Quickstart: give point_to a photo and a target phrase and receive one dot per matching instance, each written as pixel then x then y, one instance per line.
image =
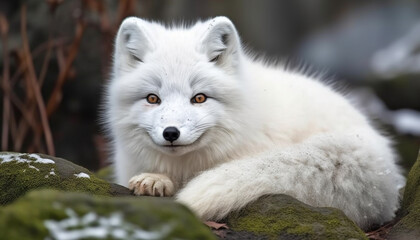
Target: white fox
pixel 191 114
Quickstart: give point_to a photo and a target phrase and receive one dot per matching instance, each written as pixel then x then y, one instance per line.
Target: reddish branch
pixel 56 94
pixel 4 28
pixel 26 117
pixel 33 83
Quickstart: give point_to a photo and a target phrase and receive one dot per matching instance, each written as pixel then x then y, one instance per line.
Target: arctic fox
pixel 192 115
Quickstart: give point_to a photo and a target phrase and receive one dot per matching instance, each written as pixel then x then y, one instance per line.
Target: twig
pixel 4 28
pixel 21 107
pixel 61 62
pixel 45 64
pixel 35 86
pixel 37 133
pixel 380 233
pixel 106 28
pixel 35 53
pixel 13 129
pixel 55 97
pixel 26 108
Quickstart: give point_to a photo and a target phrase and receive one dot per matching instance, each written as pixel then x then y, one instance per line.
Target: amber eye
pixel 153 99
pixel 199 98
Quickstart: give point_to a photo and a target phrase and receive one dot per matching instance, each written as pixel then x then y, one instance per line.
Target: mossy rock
pixel 409 226
pixel 106 173
pixel 283 217
pixel 52 214
pixel 21 172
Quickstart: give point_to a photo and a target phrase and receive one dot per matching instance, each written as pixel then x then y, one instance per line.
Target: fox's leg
pixel 127 174
pixel 353 171
pixel 152 184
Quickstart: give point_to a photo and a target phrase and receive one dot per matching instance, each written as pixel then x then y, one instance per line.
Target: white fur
pixel 263 130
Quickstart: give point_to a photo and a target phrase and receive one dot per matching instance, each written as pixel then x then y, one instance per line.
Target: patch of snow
pixel 89 218
pixel 30 166
pixel 119 234
pixel 10 157
pixel 52 171
pixel 40 159
pixel 93 226
pixel 7 158
pixel 82 175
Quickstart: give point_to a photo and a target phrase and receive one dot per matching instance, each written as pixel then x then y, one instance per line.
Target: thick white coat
pixel 263 129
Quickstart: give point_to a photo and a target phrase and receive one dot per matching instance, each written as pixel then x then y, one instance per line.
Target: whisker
pixel 201 119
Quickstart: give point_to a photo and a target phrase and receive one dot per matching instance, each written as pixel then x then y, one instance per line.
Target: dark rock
pixel 52 214
pixel 283 217
pixel 409 226
pixel 237 235
pixel 21 172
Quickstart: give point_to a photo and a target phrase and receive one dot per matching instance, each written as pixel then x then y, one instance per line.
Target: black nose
pixel 171 134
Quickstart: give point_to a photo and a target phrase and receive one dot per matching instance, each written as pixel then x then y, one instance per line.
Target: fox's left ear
pixel 221 42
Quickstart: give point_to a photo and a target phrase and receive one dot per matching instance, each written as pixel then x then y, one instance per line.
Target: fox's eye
pixel 199 98
pixel 153 99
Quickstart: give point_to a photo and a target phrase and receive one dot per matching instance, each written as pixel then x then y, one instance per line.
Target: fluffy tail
pixel 354 171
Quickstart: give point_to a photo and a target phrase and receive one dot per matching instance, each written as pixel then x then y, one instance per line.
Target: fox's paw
pixel 152 184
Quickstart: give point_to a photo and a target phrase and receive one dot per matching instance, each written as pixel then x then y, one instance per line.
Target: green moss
pixel 93 185
pixel 302 230
pixel 409 226
pixel 18 177
pixel 281 216
pixel 162 216
pixel 106 173
pixel 412 188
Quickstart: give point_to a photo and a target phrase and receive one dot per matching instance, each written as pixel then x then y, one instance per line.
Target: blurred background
pixel 56 56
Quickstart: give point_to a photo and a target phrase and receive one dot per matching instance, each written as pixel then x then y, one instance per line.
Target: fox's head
pixel 175 89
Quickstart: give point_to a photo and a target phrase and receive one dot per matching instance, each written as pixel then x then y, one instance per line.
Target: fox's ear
pixel 221 42
pixel 131 45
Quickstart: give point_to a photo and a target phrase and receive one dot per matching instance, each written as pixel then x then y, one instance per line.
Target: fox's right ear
pixel 131 45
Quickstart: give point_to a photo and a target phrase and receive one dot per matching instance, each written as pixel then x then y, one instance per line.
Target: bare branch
pixel 35 86
pixel 4 29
